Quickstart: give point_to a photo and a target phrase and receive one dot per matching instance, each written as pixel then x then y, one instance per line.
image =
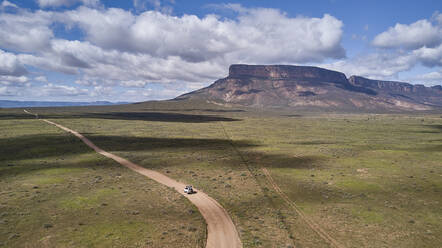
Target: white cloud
pixel 61 90
pixel 403 47
pixel 47 62
pixel 110 66
pixel 430 78
pixel 134 83
pixel 8 80
pixel 375 65
pixel 435 75
pixel 25 31
pixel 102 91
pixel 429 56
pixel 163 6
pixel 418 34
pixel 256 36
pixel 129 50
pixel 6 4
pixel 140 5
pixel 5 91
pixel 41 79
pixel 10 65
pixel 12 91
pixel 86 82
pixel 59 3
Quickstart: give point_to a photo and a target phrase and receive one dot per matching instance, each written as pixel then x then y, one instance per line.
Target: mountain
pixel 430 96
pixel 20 104
pixel 309 87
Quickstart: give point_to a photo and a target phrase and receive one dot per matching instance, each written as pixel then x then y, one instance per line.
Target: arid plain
pixel 286 179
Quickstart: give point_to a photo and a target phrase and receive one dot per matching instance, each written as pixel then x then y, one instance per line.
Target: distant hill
pixel 306 87
pixel 20 104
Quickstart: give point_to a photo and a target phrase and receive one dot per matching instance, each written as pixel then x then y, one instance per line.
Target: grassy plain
pixel 56 192
pixel 368 180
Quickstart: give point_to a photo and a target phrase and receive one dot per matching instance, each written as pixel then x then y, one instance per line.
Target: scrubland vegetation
pixel 368 180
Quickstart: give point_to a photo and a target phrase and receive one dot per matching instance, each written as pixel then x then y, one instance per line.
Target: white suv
pixel 188 189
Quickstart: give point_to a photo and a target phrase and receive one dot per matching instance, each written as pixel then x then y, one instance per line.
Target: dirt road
pixel 221 232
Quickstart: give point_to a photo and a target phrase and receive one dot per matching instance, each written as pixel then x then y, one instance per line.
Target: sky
pixel 139 50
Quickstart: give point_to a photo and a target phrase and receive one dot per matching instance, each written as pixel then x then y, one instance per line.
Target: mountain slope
pixel 431 96
pixel 313 87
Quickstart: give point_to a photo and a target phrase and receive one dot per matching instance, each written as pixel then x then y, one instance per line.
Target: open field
pixel 366 180
pixel 56 192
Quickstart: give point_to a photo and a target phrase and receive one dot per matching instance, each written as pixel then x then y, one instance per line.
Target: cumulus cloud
pixel 398 49
pixel 12 71
pixel 10 65
pixel 121 48
pixel 418 34
pixel 108 66
pixel 257 35
pixel 421 40
pixel 429 56
pixel 47 62
pixel 162 48
pixel 375 65
pixel 25 31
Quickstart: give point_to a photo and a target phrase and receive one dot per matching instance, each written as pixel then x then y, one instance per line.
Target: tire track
pixel 314 226
pixel 252 171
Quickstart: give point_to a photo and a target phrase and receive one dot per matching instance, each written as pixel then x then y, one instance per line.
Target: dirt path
pixel 221 232
pixel 314 226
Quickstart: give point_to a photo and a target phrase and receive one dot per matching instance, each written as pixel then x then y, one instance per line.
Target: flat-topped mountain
pixel 314 87
pixel 288 72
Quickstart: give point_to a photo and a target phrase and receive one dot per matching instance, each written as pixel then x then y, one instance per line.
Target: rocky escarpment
pixel 418 93
pixel 388 86
pixel 306 87
pixel 287 72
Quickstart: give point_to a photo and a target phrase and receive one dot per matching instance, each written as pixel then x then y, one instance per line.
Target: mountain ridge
pixel 308 86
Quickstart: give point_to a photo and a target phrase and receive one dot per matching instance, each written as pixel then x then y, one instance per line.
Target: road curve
pixel 221 232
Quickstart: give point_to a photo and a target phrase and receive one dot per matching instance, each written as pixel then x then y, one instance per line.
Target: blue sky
pixel 86 50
